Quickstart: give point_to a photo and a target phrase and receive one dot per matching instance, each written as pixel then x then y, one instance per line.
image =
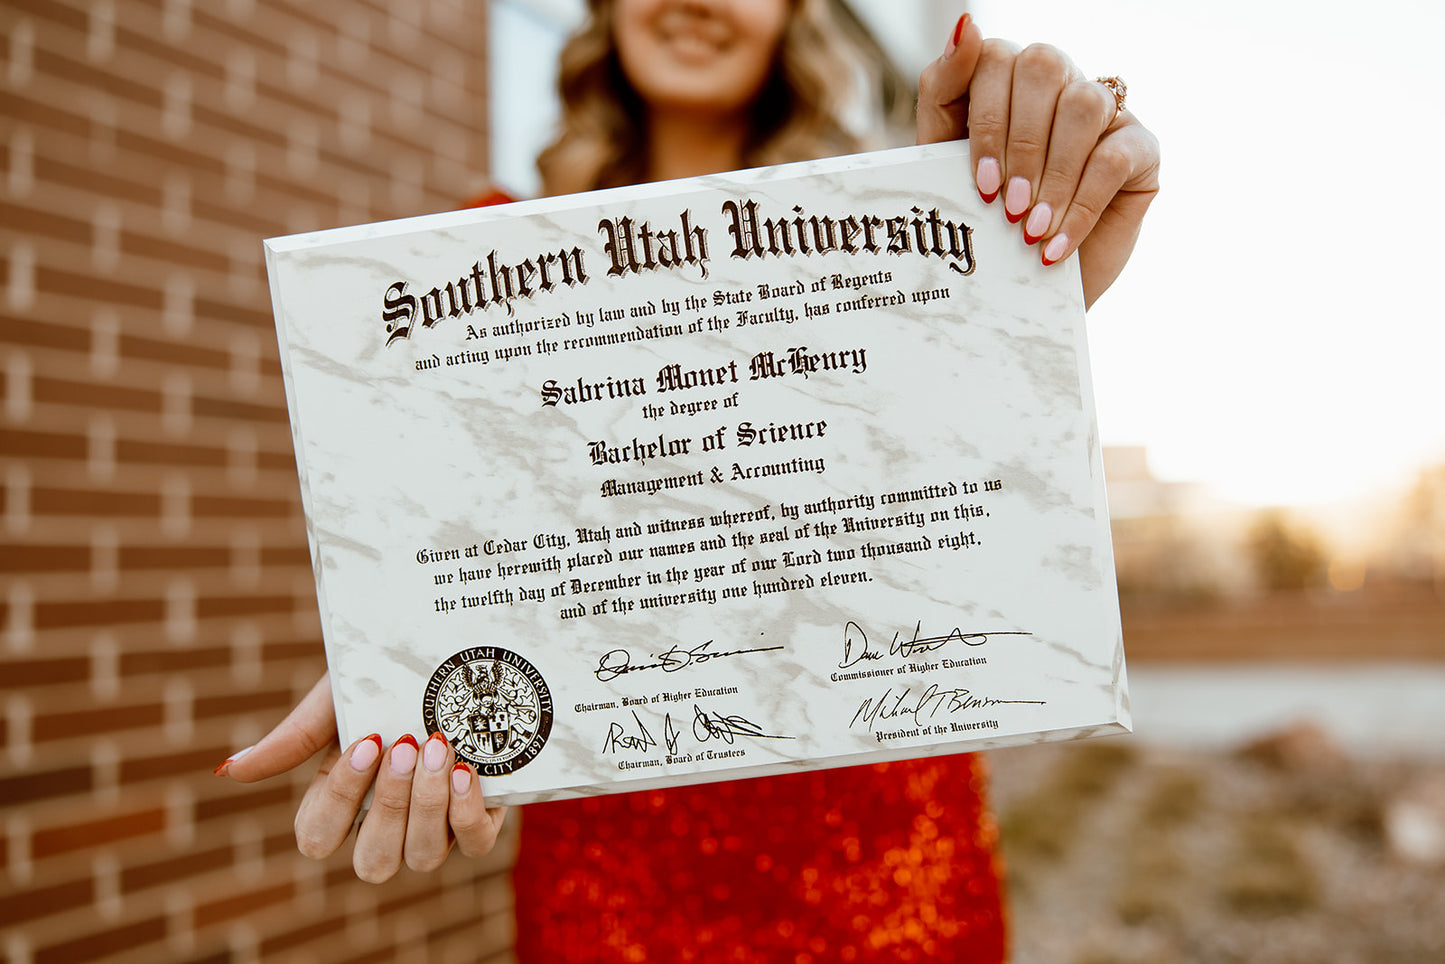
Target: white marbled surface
pixel 987 384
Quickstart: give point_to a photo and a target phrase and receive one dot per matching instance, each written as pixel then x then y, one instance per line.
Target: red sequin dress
pixel 891 862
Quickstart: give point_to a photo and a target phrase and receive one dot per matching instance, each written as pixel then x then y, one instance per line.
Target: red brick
pixel 174 55
pixel 92 180
pixel 44 672
pixel 97 613
pixel 304 649
pixel 386 952
pixel 302 935
pixel 128 170
pixel 430 891
pixel 53 280
pixel 103 943
pixel 27 110
pixel 58 65
pixel 18 557
pixel 174 352
pixel 16 443
pixel 66 724
pixel 147 246
pixel 44 784
pixel 293 555
pixel 132 558
pixel 49 224
pixel 243 802
pixel 212 607
pixel 213 957
pixel 252 222
pixel 279 461
pixel 190 762
pixel 139 452
pixel 93 502
pixel 338 876
pixel 55 12
pixel 157 873
pixel 147 662
pixel 216 912
pixel 239 507
pixel 94 833
pixel 15 330
pixel 56 391
pixel 34 902
pixel 240 411
pixel 234 704
pixel 222 311
pixel 281 843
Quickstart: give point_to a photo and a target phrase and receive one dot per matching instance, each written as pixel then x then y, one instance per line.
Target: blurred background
pixel 1269 396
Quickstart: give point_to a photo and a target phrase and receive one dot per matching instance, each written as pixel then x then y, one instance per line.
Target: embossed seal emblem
pixel 492 705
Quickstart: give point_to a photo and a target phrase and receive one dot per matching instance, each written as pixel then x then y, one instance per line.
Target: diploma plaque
pixel 783 469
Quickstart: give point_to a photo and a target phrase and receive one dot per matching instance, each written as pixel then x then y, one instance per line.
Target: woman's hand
pixel 1078 172
pixel 425 801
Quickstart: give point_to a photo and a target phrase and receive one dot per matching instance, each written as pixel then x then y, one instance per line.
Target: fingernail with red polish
pixel 221 770
pixel 1055 249
pixel 435 753
pixel 364 754
pixel 989 178
pixel 403 755
pixel 461 778
pixel 1016 201
pixel 1038 222
pixel 957 36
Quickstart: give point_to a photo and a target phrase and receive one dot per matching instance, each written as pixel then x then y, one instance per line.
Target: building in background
pixel 156 598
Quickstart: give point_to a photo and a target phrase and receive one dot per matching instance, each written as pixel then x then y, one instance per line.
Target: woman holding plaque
pixel 889 862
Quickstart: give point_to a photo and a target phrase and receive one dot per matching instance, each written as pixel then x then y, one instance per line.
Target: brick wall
pixel 157 607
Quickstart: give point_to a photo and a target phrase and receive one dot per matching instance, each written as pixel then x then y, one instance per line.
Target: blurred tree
pixel 1419 550
pixel 1284 556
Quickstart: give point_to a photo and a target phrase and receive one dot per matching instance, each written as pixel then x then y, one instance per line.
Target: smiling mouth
pixel 693 39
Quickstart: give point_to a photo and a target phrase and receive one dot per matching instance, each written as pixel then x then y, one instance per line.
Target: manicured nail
pixel 435 753
pixel 461 778
pixel 364 754
pixel 1038 222
pixel 1055 249
pixel 990 178
pixel 403 755
pixel 221 770
pixel 1016 201
pixel 957 36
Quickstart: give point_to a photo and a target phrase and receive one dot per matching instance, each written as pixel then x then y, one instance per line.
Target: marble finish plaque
pixel 789 468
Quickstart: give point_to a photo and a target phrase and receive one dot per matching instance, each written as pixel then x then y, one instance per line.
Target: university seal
pixel 492 705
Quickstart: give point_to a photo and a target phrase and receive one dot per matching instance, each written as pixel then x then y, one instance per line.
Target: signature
pixel 705 726
pixel 618 662
pixel 708 726
pixel 925 706
pixel 856 648
pixel 619 739
pixel 669 734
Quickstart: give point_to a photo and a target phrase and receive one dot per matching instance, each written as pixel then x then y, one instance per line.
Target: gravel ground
pixel 1283 851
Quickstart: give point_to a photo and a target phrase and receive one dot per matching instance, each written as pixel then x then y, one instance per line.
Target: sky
pixel 1274 336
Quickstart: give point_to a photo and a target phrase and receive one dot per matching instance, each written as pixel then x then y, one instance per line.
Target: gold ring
pixel 1117 87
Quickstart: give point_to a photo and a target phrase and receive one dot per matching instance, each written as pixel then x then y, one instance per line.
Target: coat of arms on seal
pixel 492 705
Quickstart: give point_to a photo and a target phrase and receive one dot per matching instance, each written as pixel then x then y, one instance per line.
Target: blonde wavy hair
pixel 799 115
